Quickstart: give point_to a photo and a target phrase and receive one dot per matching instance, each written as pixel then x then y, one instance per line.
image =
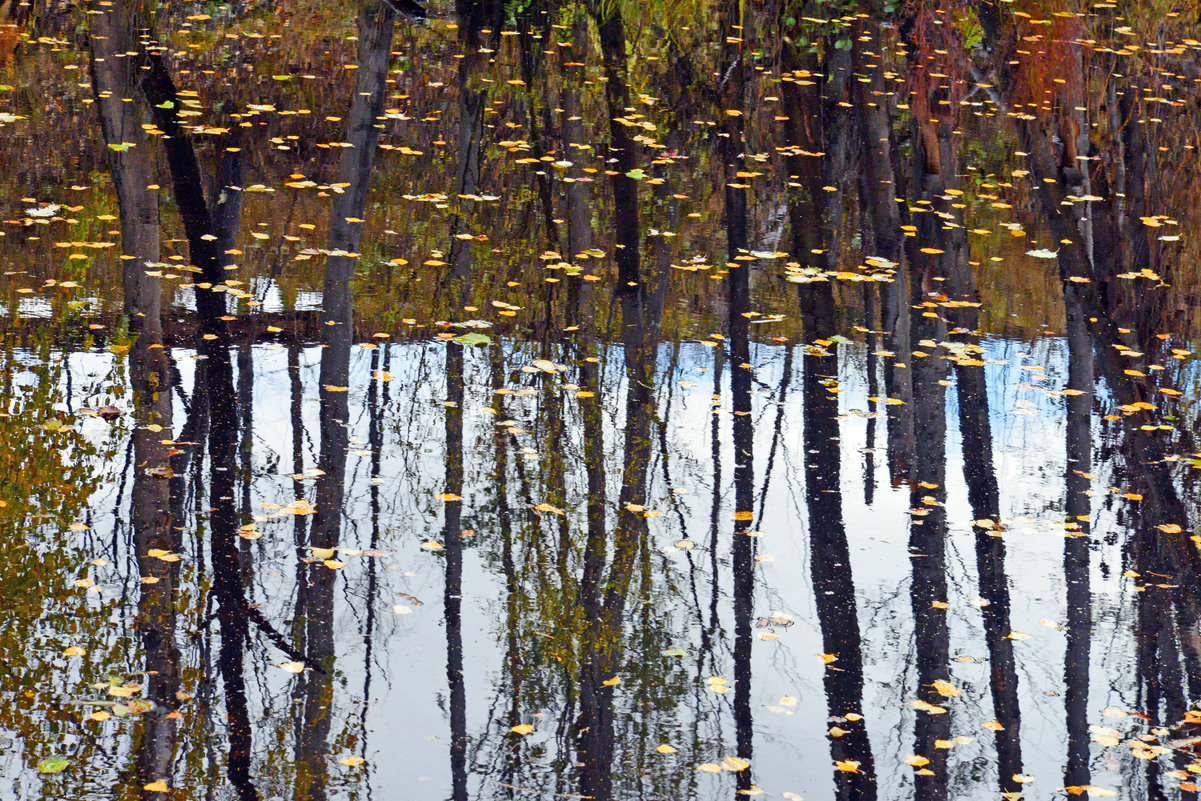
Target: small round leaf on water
pixel 53 764
pixel 472 338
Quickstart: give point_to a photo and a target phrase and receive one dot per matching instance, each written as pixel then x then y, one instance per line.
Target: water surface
pixel 600 400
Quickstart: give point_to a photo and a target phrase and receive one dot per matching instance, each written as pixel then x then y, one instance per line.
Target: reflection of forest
pixel 234 77
pixel 574 535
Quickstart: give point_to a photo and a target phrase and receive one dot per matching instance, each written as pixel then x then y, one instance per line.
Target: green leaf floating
pixel 53 764
pixel 472 338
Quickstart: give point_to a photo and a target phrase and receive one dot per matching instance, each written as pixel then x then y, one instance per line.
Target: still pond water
pixel 683 400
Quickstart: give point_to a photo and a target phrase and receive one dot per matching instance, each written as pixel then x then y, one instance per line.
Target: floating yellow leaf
pixel 925 706
pixel 848 766
pixel 709 767
pixel 292 667
pixel 74 650
pixel 522 729
pixel 917 761
pixel 665 749
pixel 156 787
pixel 734 764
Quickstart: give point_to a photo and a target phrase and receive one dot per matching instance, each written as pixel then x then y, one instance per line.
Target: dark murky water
pixel 670 401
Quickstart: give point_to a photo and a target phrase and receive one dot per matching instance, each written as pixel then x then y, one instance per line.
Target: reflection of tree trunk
pixel 626 223
pixel 579 192
pixel 604 604
pixel 232 609
pixel 299 522
pixel 354 169
pixel 115 73
pixel 314 688
pixel 875 131
pixel 1077 509
pixel 833 584
pixel 233 612
pixel 927 554
pixel 983 495
pixel 579 241
pixel 884 219
pixel 131 159
pixel 472 104
pixel 452 597
pixel 153 528
pixel 735 72
pixel 1087 281
pixel 246 421
pixel 603 599
pixel 744 500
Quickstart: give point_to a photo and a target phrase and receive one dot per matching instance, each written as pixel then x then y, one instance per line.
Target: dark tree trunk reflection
pixel 155 534
pixel 314 688
pixel 1077 515
pixel 116 72
pixel 833 582
pixel 927 547
pixel 233 611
